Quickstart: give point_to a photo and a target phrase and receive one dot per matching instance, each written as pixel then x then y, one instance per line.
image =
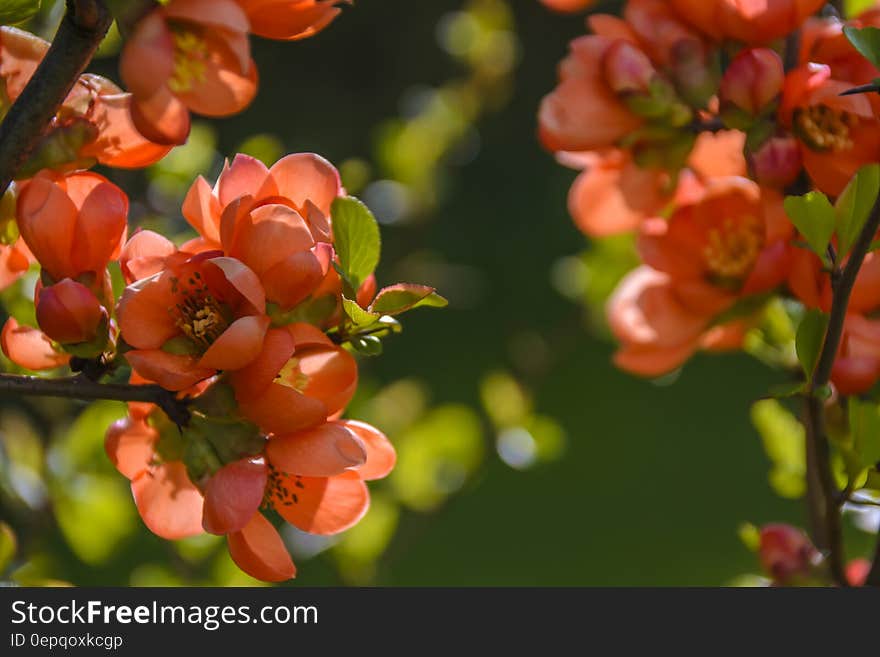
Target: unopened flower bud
pixel 70 313
pixel 777 163
pixel 786 553
pixel 752 81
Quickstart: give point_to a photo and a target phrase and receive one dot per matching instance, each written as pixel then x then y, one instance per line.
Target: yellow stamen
pixel 731 250
pixel 825 129
pixel 190 54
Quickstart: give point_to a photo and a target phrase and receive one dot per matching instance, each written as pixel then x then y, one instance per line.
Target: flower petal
pixel 322 505
pixel 29 347
pixel 259 551
pixel 327 450
pixel 238 345
pixel 169 504
pixel 381 456
pixel 129 444
pixel 281 410
pixel 303 177
pixel 170 371
pixel 233 495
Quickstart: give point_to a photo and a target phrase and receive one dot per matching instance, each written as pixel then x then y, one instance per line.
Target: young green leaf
pixel 783 438
pixel 399 298
pixel 17 11
pixel 809 339
pixel 814 217
pixel 854 205
pixel 356 238
pixel 864 423
pixel 358 316
pixel 867 41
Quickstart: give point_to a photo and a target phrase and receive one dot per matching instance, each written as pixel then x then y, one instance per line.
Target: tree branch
pixel 826 495
pixel 81 387
pixel 83 27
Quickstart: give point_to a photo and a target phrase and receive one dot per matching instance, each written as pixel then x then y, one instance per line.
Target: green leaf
pixel 356 239
pixel 399 298
pixel 867 41
pixel 17 11
pixel 864 423
pixel 814 217
pixel 810 336
pixel 783 438
pixel 358 316
pixel 854 205
pixel 8 546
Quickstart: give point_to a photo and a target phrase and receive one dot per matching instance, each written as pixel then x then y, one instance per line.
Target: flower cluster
pixel 738 144
pixel 247 331
pixel 696 158
pixel 246 322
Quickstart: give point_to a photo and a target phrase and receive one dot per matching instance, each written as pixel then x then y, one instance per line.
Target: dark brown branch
pixel 81 31
pixel 81 387
pixel 873 578
pixel 825 494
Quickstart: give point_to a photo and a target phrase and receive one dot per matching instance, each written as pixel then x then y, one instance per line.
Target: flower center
pixel 292 376
pixel 190 54
pixel 731 250
pixel 825 129
pixel 200 316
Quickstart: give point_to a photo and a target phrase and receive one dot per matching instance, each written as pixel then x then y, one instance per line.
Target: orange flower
pixel 200 314
pixel 837 134
pixel 730 240
pixel 188 55
pixel 290 20
pixel 313 479
pixel 272 219
pixel 303 182
pixel 73 224
pixel 95 117
pixel 657 331
pixel 584 112
pixel 316 483
pixel 750 21
pixel 752 81
pixel 614 195
pixel 298 380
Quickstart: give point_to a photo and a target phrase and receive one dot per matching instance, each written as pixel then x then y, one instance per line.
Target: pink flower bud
pixel 628 69
pixel 778 162
pixel 786 552
pixel 753 80
pixel 69 313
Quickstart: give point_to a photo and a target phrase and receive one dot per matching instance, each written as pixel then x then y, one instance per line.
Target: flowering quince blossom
pixel 93 124
pixel 728 243
pixel 74 225
pixel 188 55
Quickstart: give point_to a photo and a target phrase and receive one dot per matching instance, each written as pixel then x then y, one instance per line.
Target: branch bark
pixel 81 31
pixel 81 387
pixel 825 495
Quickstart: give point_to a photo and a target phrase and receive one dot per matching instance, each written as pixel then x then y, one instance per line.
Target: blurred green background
pixel 525 457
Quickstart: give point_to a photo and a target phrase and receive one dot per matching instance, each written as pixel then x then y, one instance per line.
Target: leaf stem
pixel 81 30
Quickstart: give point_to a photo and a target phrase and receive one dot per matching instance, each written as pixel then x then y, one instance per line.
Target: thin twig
pixel 81 387
pixel 826 496
pixel 83 27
